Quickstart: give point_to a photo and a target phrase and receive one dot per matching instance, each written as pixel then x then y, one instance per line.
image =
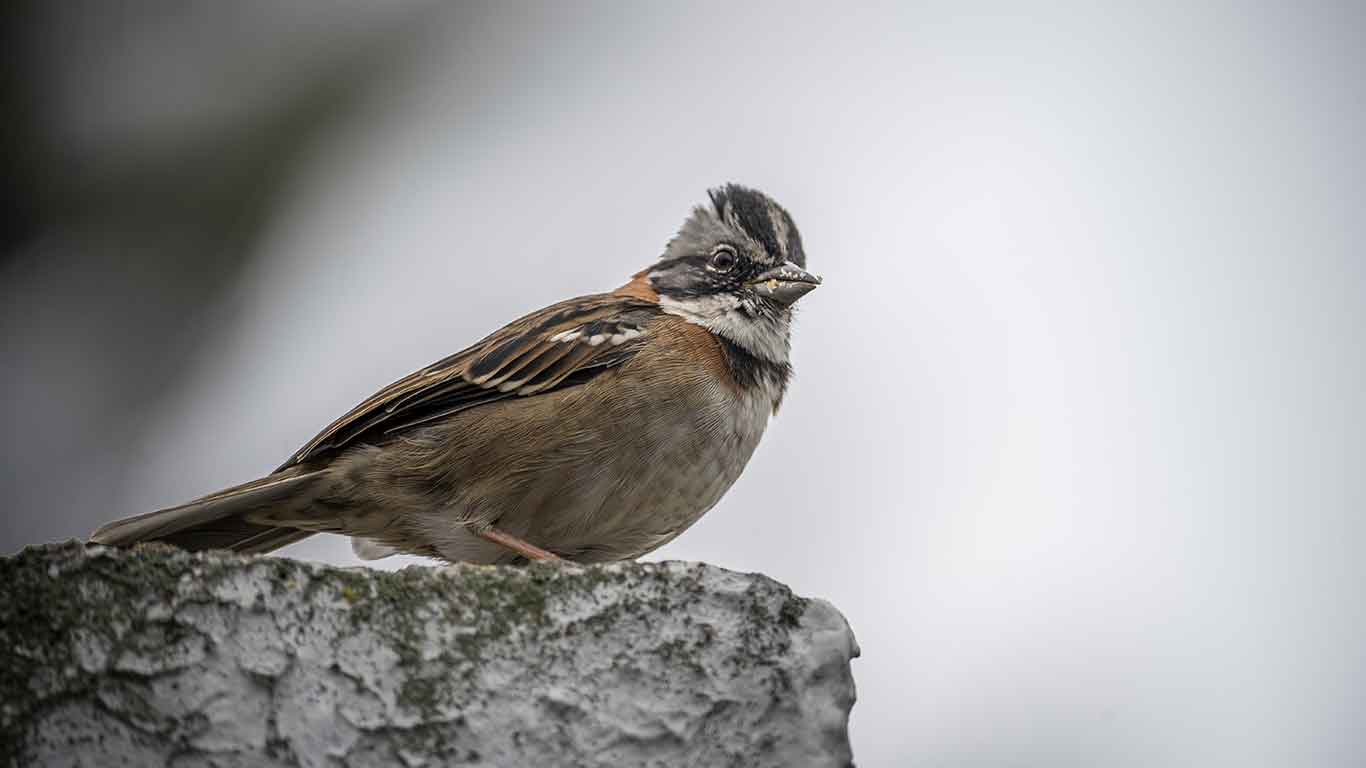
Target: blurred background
pixel 1077 430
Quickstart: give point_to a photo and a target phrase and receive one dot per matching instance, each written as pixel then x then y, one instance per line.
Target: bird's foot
pixel 524 548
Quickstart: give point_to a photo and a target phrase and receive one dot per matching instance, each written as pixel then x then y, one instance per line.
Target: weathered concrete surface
pixel 156 657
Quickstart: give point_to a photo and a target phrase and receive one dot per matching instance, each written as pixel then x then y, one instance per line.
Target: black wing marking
pixel 562 345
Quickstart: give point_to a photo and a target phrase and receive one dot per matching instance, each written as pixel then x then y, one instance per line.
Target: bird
pixel 594 430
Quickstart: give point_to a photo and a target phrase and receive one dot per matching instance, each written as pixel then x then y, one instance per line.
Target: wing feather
pixel 565 344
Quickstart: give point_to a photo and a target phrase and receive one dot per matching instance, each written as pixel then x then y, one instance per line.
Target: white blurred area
pixel 1076 434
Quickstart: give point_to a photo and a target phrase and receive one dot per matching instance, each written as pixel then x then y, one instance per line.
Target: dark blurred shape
pixel 18 104
pixel 146 147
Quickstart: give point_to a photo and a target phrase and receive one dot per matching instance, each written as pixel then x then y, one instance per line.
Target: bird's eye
pixel 723 259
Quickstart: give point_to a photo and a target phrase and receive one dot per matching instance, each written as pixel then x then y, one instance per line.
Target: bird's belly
pixel 646 490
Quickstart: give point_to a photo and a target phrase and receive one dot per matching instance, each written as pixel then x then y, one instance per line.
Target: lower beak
pixel 785 284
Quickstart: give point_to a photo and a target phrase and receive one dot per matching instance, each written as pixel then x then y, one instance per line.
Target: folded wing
pixel 562 345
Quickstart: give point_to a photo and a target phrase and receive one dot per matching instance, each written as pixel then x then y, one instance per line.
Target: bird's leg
pixel 524 548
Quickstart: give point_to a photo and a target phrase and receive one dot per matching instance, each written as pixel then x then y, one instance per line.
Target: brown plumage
pixel 594 429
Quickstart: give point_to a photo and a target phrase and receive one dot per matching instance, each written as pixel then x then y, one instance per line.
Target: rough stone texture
pixel 157 657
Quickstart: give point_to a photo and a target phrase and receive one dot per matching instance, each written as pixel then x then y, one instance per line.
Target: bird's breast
pixel 672 463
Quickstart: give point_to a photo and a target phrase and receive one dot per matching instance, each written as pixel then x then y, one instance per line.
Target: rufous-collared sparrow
pixel 596 429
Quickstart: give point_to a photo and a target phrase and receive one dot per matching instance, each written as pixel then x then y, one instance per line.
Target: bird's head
pixel 736 267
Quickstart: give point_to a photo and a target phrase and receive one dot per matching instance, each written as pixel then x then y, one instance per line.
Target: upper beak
pixel 785 284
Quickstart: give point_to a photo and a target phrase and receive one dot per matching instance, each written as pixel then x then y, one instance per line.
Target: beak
pixel 785 284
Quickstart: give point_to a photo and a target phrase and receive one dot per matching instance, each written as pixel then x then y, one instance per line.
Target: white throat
pixel 761 334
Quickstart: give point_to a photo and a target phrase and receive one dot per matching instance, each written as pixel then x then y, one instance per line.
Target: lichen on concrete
pixel 153 656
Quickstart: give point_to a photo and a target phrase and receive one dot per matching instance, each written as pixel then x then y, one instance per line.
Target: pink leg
pixel 525 549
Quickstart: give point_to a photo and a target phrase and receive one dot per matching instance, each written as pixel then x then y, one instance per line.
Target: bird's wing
pixel 560 346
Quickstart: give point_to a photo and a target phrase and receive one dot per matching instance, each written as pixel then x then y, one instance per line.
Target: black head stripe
pixel 795 254
pixel 752 211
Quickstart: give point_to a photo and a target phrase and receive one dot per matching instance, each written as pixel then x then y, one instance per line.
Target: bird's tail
pixel 220 520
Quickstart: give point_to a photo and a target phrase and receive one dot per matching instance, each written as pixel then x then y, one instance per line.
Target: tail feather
pixel 218 521
pixel 236 535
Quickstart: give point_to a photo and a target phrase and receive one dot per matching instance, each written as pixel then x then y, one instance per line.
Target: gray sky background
pixel 1076 436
